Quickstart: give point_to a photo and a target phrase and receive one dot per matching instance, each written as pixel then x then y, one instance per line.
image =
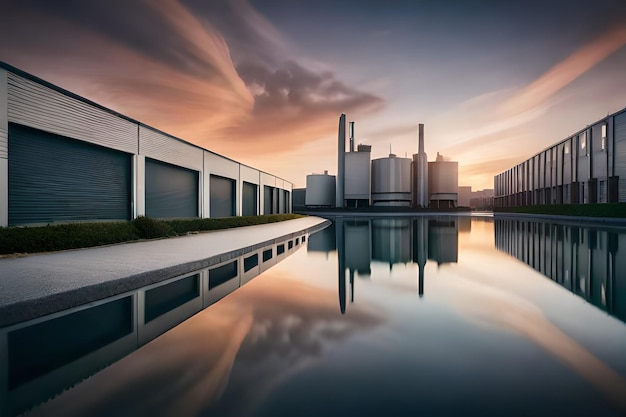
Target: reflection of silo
pixel 443 240
pixel 465 224
pixel 391 181
pixel 358 245
pixel 320 190
pixel 323 240
pixel 443 183
pixel 391 239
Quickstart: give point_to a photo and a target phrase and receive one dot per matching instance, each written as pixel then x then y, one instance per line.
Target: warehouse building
pixel 64 158
pixel 587 167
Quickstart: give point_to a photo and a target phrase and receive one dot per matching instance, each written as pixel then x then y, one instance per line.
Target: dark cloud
pixel 250 36
pixel 137 25
pixel 294 105
pixel 216 73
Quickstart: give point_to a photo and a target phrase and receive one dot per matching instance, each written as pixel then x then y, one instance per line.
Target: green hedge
pixel 83 235
pixel 587 210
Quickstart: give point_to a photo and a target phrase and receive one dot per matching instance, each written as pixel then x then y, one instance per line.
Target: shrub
pixel 64 236
pixel 149 228
pixel 83 235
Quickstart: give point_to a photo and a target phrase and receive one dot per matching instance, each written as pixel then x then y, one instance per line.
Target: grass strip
pixel 616 210
pixel 83 235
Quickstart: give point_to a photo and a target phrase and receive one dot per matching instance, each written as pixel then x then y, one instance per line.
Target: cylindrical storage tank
pixel 320 190
pixel 443 183
pixel 391 181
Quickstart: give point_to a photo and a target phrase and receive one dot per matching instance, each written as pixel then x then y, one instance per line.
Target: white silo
pixel 320 190
pixel 391 181
pixel 443 183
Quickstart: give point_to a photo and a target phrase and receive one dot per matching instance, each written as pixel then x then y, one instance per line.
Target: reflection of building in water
pixel 443 239
pixel 358 245
pixel 465 224
pixel 323 241
pixel 392 241
pixel 585 261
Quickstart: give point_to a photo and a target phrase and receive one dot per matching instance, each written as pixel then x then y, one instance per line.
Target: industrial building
pixel 476 200
pixel 64 158
pixel 388 181
pixel 391 181
pixel 321 190
pixel 443 183
pixel 586 167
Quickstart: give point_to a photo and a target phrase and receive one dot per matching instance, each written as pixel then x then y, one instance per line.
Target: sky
pixel 264 81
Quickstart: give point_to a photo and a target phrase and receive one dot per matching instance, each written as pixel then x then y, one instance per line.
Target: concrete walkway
pixel 37 285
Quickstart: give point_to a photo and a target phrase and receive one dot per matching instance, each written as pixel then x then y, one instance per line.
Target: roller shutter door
pixel 267 199
pixel 620 154
pixel 171 191
pixel 57 179
pixel 222 196
pixel 249 200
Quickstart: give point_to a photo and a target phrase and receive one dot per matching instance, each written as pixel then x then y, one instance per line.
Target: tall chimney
pixel 420 172
pixel 351 136
pixel 341 160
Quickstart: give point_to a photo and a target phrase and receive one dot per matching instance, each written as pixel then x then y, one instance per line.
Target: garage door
pixel 222 196
pixel 171 191
pixel 53 178
pixel 268 199
pixel 249 200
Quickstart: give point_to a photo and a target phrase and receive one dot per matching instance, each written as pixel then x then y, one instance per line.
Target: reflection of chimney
pixel 341 160
pixel 420 250
pixel 342 291
pixel 341 263
pixel 352 285
pixel 351 136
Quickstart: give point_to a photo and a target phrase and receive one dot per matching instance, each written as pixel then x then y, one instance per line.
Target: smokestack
pixel 351 136
pixel 420 172
pixel 341 160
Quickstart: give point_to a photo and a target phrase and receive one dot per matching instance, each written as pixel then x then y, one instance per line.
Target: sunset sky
pixel 264 81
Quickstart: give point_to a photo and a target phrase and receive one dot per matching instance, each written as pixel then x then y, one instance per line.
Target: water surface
pixel 396 316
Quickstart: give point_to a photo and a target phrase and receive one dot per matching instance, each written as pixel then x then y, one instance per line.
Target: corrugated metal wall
pixel 34 105
pixel 171 191
pixel 53 178
pixel 620 154
pixel 156 145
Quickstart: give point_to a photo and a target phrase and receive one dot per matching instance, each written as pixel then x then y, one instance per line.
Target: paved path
pixel 36 285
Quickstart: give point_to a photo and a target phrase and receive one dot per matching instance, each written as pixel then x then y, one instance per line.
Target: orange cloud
pixel 174 71
pixel 566 71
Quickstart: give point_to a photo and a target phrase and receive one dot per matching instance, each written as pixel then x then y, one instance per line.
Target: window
pixel 604 137
pixel 566 148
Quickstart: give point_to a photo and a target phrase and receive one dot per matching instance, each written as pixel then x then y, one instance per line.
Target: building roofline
pixel 34 78
pixel 562 141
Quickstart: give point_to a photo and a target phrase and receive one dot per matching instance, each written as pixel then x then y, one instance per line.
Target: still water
pixel 395 316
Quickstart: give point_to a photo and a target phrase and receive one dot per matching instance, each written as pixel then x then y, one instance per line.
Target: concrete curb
pixel 29 309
